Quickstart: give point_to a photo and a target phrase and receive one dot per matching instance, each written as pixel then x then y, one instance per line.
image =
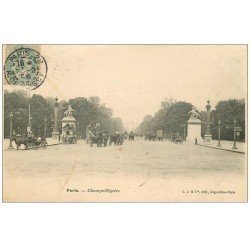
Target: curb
pixel 53 144
pixel 230 150
pixel 49 145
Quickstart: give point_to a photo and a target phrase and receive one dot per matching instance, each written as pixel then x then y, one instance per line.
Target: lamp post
pixel 29 115
pixel 55 133
pixel 45 127
pixel 77 130
pixel 208 136
pixel 30 118
pixel 234 146
pixel 219 126
pixel 184 132
pixel 11 119
pixel 30 122
pixel 29 128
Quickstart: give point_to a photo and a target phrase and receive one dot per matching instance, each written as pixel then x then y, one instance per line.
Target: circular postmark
pixel 25 67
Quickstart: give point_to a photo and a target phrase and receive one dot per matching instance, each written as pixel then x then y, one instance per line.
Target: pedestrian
pixel 196 143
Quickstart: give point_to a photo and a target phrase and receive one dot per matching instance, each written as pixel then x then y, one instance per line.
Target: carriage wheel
pixel 44 145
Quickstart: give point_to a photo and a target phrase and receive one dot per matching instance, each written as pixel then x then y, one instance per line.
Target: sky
pixel 133 79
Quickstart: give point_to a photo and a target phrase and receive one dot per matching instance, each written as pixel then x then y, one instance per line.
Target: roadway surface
pixel 137 171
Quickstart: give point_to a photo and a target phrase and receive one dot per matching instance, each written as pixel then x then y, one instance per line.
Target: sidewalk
pixel 52 142
pixel 227 146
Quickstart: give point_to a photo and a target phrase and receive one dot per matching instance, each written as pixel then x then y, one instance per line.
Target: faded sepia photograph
pixel 124 123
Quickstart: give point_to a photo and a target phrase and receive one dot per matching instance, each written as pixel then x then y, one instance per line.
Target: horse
pixel 105 138
pixel 95 139
pixel 150 137
pixel 131 136
pixel 176 139
pixel 117 139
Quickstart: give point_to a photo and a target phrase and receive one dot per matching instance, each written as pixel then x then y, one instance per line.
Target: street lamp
pixel 234 146
pixel 29 128
pixel 45 127
pixel 219 125
pixel 184 132
pixel 11 119
pixel 56 133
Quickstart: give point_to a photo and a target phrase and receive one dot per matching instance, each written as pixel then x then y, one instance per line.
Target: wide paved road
pixel 137 171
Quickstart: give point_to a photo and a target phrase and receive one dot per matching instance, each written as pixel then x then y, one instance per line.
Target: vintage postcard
pixel 124 123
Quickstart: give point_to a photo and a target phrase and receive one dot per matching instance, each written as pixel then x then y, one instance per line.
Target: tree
pixel 177 116
pixel 167 103
pixel 171 118
pixel 226 111
pixel 39 110
pixel 92 110
pixel 16 102
pixel 145 126
pixel 86 111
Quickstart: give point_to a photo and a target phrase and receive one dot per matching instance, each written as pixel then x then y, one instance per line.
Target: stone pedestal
pixel 56 136
pixel 69 126
pixel 194 129
pixel 207 139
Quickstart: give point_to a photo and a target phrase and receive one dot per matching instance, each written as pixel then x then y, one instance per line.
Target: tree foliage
pixel 173 115
pixel 171 118
pixel 86 111
pixel 226 111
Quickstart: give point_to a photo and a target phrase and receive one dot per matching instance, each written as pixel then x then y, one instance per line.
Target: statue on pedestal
pixel 69 127
pixel 69 112
pixel 194 126
pixel 194 113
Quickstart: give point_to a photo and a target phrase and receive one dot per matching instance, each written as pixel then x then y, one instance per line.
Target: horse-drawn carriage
pixel 98 138
pixel 150 136
pixel 125 135
pixel 30 142
pixel 131 136
pixel 69 134
pixel 69 139
pixel 117 139
pixel 159 135
pixel 104 138
pixel 176 139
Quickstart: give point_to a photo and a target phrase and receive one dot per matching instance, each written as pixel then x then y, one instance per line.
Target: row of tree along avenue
pixel 87 110
pixel 173 115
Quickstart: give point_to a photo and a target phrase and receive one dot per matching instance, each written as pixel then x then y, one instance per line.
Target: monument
pixel 208 136
pixel 69 126
pixel 55 133
pixel 194 126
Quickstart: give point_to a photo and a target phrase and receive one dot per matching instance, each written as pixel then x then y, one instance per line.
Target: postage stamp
pixel 25 67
